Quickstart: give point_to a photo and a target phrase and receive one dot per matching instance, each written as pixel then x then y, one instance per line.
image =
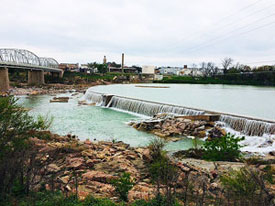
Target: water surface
pixel 251 101
pixel 92 122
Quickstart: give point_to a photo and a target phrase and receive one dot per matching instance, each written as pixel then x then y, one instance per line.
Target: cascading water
pixel 244 125
pixel 93 97
pixel 248 126
pixel 149 108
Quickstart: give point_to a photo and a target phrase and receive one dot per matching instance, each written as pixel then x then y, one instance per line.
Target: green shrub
pixel 163 172
pixel 91 201
pixel 16 127
pixel 239 182
pixel 156 148
pixel 47 198
pixel 159 200
pixel 225 148
pixel 123 185
pixel 247 186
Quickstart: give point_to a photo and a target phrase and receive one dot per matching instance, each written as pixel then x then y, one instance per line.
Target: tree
pixel 16 158
pixel 101 68
pixel 226 63
pixel 208 68
pixel 163 172
pixel 114 64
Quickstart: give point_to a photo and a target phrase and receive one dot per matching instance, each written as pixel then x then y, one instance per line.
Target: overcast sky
pixel 149 32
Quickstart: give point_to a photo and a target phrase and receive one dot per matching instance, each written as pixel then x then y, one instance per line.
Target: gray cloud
pixel 157 32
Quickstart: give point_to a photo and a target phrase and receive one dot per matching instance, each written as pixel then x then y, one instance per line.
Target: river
pixel 100 123
pixel 251 101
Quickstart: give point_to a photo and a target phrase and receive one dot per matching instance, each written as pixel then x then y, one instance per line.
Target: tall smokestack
pixel 122 63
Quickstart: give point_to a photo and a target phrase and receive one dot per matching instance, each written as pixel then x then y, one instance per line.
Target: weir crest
pixel 247 126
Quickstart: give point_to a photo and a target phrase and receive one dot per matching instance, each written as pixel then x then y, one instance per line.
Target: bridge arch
pixel 48 62
pixel 19 56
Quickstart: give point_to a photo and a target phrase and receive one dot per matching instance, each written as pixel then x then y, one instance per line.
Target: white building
pixel 148 69
pixel 170 70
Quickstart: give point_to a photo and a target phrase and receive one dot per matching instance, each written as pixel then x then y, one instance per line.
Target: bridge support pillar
pixel 57 74
pixel 4 80
pixel 60 74
pixel 36 77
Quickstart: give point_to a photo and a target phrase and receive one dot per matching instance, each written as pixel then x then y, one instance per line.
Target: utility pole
pixel 122 63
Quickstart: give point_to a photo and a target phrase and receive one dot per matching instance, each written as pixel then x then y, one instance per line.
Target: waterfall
pixel 248 126
pixel 149 108
pixel 93 97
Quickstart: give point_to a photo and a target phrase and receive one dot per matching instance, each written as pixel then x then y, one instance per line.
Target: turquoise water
pixel 97 123
pixel 251 101
pixel 92 122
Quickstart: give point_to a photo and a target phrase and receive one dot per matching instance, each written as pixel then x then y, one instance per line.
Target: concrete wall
pixel 4 80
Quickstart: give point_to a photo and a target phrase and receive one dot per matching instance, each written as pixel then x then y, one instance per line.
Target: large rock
pixel 98 176
pixel 53 168
pixel 75 163
pixel 141 191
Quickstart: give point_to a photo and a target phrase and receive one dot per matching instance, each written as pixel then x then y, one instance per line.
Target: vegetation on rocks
pixel 247 186
pixel 16 151
pixel 123 185
pixel 224 148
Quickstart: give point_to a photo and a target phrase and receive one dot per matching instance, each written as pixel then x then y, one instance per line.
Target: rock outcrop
pixel 88 168
pixel 166 126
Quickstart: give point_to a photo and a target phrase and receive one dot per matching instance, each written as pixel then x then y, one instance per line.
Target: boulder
pixel 53 168
pixel 75 163
pixel 141 191
pixel 146 155
pixel 98 176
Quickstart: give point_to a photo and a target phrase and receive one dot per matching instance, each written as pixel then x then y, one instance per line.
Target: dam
pixel 246 125
pixel 246 112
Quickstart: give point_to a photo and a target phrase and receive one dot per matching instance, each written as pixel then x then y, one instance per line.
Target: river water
pixel 99 123
pixel 92 122
pixel 251 101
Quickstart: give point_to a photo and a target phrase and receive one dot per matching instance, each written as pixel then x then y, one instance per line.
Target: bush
pixel 47 198
pixel 239 182
pixel 248 187
pixel 123 185
pixel 16 127
pixel 157 201
pixel 156 148
pixel 163 173
pixel 91 201
pixel 225 148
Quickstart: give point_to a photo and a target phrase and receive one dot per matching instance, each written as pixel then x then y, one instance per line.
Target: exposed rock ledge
pixel 95 164
pixel 167 126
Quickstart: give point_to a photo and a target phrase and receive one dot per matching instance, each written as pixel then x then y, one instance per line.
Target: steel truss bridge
pixel 24 59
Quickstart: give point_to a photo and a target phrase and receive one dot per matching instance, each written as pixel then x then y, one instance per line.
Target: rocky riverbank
pixel 88 168
pixel 50 89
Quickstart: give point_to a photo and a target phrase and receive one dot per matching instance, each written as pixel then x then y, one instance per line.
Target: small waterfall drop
pixel 93 97
pixel 149 108
pixel 248 126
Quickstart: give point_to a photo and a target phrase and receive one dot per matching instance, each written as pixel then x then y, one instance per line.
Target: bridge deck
pixel 11 65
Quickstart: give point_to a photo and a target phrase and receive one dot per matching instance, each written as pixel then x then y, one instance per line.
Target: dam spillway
pixel 248 127
pixel 245 125
pixel 149 108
